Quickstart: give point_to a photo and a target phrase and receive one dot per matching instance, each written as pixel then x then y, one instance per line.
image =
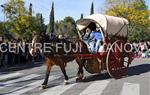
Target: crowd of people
pixel 8 59
pixel 141 49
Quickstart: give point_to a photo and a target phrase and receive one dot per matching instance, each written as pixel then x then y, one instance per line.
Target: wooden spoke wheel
pixel 117 61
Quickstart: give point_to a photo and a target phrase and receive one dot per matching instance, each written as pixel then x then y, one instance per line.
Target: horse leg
pixel 62 67
pixel 44 84
pixel 80 73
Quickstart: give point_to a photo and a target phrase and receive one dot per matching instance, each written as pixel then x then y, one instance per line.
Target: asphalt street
pixel 27 81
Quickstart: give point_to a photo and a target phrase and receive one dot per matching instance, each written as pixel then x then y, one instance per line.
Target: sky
pixel 63 8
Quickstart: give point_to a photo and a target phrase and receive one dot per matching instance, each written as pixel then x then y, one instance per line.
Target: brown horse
pixel 58 57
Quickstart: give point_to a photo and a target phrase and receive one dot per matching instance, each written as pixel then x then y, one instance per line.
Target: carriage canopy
pixel 109 24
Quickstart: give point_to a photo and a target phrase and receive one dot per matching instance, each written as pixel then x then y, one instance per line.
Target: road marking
pixel 95 88
pixel 58 89
pixel 12 82
pixel 8 76
pixel 28 87
pixel 130 89
pixel 61 88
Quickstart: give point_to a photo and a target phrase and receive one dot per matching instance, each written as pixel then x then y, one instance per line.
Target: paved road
pixel 28 81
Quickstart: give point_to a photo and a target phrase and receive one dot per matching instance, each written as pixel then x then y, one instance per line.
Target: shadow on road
pixel 139 69
pixel 96 77
pixel 18 67
pixel 134 70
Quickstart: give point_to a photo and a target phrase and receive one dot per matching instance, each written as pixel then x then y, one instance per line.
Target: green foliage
pixel 19 21
pixel 39 23
pixel 66 27
pixel 14 8
pixel 1 28
pixel 21 24
pixel 50 27
pixel 137 14
pixel 92 9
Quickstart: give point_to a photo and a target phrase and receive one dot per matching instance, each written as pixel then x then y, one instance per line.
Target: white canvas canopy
pixel 111 25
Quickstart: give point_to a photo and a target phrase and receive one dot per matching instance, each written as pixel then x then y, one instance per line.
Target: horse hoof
pixel 78 79
pixel 43 86
pixel 65 82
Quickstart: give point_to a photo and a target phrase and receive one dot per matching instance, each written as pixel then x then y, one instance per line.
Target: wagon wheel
pixel 117 61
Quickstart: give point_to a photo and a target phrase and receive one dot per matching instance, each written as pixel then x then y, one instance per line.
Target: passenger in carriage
pixel 93 37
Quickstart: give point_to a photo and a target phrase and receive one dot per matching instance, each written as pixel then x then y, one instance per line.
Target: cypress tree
pixel 92 9
pixel 39 22
pixel 30 9
pixel 52 22
pixel 81 16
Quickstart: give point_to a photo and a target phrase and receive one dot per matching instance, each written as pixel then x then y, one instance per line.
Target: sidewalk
pixel 20 67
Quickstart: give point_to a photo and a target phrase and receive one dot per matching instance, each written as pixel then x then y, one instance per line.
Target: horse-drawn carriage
pixel 115 53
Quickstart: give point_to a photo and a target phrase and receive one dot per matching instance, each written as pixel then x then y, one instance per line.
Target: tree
pixel 39 23
pixel 92 9
pixel 18 19
pixel 81 16
pixel 30 9
pixel 50 27
pixel 14 9
pixel 66 27
pixel 1 28
pixel 137 14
